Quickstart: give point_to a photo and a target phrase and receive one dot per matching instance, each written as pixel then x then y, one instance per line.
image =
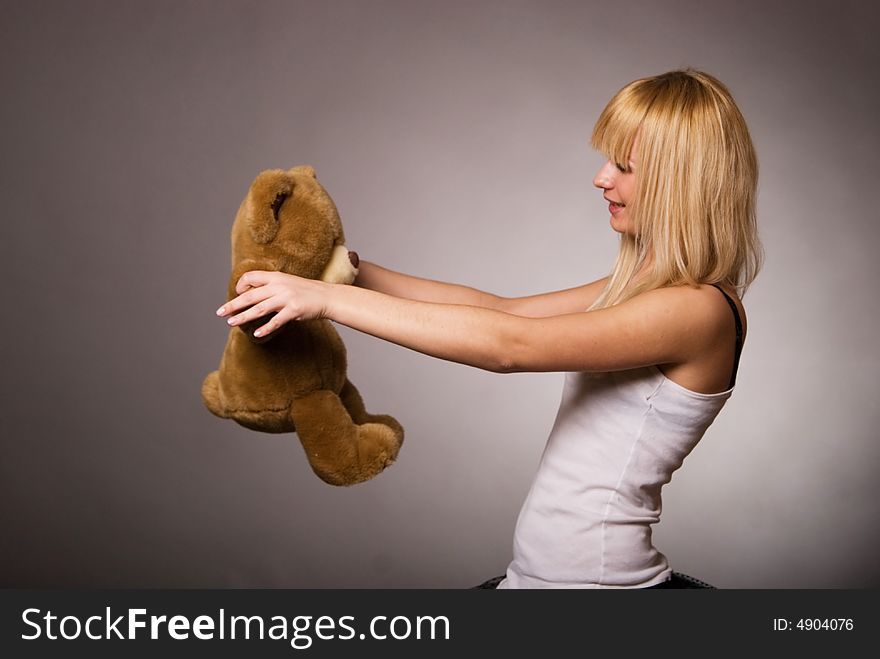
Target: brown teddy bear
pixel 294 380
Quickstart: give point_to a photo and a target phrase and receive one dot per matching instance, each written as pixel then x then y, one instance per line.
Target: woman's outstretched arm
pixel 376 278
pixel 382 280
pixel 662 326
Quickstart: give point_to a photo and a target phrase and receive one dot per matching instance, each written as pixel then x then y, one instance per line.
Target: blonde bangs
pixel 615 130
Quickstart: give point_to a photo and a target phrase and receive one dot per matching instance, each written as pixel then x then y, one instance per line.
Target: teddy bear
pixel 294 379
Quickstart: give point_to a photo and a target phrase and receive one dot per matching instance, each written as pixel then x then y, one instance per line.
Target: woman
pixel 650 352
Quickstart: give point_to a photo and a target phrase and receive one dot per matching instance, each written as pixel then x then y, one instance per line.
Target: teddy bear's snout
pixel 342 268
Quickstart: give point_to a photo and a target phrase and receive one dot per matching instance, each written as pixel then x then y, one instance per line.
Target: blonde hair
pixel 693 206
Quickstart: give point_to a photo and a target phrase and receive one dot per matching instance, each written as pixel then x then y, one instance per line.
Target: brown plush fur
pixel 295 379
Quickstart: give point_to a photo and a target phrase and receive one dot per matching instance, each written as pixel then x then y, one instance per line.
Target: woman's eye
pixel 620 167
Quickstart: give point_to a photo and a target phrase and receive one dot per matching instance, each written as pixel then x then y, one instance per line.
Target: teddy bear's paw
pixel 373 447
pixel 386 420
pixel 378 445
pixel 340 450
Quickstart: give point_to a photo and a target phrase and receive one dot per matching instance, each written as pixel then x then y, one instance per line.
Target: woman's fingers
pixel 276 321
pixel 254 279
pixel 262 293
pixel 250 289
pixel 247 315
pixel 258 310
pixel 243 301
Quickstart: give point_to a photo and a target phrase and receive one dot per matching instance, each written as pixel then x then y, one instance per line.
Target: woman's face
pixel 618 182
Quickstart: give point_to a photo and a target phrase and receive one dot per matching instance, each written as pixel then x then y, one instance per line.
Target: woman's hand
pixel 288 296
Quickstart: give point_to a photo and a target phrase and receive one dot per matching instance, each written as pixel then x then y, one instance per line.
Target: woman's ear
pixel 268 192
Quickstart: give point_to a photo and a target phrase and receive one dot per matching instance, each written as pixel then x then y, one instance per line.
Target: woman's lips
pixel 615 208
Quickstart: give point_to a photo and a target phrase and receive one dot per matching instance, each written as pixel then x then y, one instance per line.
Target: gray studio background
pixel 453 138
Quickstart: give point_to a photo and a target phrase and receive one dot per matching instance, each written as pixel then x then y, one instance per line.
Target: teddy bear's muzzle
pixel 342 268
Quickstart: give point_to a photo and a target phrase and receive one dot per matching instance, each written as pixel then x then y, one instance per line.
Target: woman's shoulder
pixel 704 303
pixel 720 306
pixel 712 335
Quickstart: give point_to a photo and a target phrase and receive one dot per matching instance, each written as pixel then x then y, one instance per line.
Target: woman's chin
pixel 620 226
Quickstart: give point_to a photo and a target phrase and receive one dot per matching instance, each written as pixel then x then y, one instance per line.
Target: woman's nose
pixel 605 177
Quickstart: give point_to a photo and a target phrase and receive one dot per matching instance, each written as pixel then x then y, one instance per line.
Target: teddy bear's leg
pixel 353 402
pixel 340 451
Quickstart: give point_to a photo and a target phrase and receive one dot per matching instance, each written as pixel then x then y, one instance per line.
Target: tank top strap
pixel 739 335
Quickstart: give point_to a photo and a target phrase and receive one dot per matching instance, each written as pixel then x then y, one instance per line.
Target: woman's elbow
pixel 511 345
pixel 505 361
pixel 502 367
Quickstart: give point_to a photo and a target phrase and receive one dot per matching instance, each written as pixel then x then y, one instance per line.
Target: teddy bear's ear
pixel 269 190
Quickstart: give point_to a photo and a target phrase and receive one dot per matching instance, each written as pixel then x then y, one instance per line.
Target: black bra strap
pixel 739 335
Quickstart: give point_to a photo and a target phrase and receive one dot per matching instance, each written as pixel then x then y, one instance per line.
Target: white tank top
pixel 617 439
